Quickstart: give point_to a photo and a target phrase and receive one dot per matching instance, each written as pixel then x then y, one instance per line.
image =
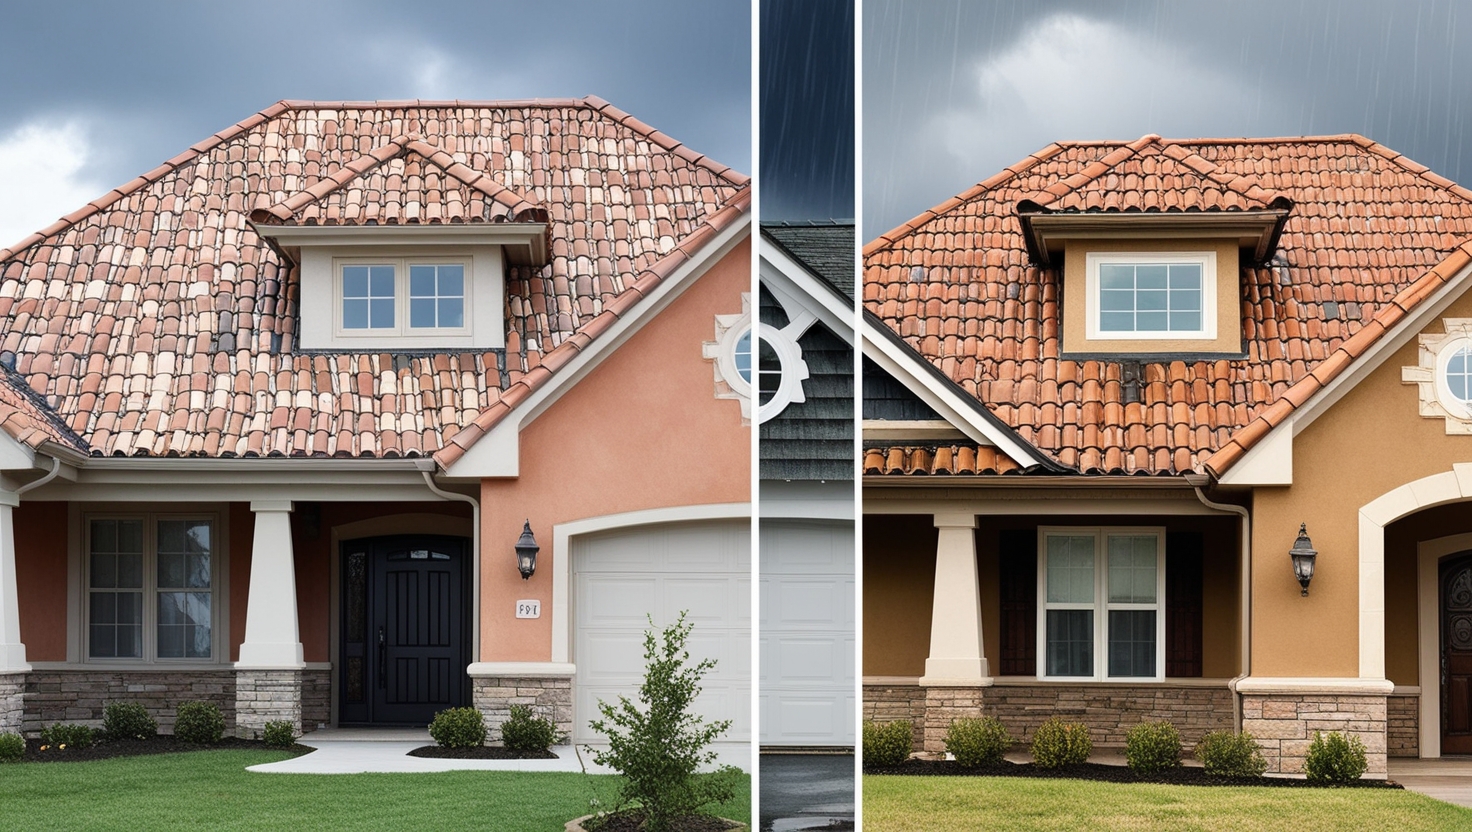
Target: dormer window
pixel 374 298
pixel 1152 295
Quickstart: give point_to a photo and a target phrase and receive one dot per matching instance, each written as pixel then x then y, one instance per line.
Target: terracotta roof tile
pixel 1370 235
pixel 158 298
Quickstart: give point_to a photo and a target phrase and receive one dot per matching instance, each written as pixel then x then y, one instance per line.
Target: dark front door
pixel 405 632
pixel 1456 655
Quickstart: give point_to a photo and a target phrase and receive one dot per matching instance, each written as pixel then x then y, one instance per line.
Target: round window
pixel 1454 377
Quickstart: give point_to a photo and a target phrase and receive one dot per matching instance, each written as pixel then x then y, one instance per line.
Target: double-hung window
pixel 151 588
pixel 402 296
pixel 1101 601
pixel 1162 295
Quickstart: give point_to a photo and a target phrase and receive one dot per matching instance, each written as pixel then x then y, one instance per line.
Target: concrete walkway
pixel 1448 779
pixel 363 750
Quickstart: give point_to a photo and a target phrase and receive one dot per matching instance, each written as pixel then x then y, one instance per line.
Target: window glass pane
pixel 1150 300
pixel 102 641
pixel 1116 276
pixel 355 281
pixel 183 625
pixel 1070 642
pixel 1115 301
pixel 1132 642
pixel 381 313
pixel 421 281
pixel 421 312
pixel 742 356
pixel 104 536
pixel 354 314
pixel 1132 569
pixel 1185 300
pixel 170 569
pixel 1185 322
pixel 104 570
pixel 1070 569
pixel 130 537
pixel 452 280
pixel 1150 276
pixel 1185 276
pixel 1117 321
pixel 381 281
pixel 197 570
pixel 452 312
pixel 104 608
pixel 130 571
pixel 1150 322
pixel 1459 375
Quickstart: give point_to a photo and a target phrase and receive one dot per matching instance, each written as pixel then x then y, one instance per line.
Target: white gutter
pixel 1245 601
pixel 55 469
pixel 474 558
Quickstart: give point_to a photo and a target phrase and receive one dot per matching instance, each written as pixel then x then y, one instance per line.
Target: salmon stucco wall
pixel 642 431
pixel 40 576
pixel 1371 442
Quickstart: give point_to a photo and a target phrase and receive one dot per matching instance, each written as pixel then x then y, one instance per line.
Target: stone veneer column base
pixel 944 704
pixel 1403 725
pixel 79 695
pixel 12 702
pixel 893 702
pixel 1284 725
pixel 547 696
pixel 263 696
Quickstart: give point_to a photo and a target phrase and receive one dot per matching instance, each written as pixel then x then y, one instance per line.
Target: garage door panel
pixel 620 601
pixel 796 662
pixel 628 552
pixel 807 603
pixel 706 600
pixel 806 548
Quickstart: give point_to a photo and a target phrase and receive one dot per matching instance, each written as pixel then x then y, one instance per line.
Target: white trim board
pixel 792 284
pixel 1429 554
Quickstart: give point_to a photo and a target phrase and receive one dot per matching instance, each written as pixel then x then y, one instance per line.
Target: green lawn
pixel 901 804
pixel 212 790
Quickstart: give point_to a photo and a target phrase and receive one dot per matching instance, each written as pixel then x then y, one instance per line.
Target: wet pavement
pixel 807 791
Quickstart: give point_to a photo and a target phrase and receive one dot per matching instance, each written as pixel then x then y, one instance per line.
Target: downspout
pixel 1246 600
pixel 55 469
pixel 475 558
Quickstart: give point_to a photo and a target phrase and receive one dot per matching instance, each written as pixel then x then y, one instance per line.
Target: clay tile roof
pixel 1371 234
pixel 155 322
pixel 27 419
pixel 937 460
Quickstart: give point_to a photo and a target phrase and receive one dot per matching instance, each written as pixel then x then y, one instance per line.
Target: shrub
pixel 977 742
pixel 1058 743
pixel 279 733
pixel 458 728
pixel 887 744
pixel 199 722
pixel 128 721
pixel 659 744
pixel 71 736
pixel 1227 754
pixel 1152 747
pixel 524 732
pixel 1335 758
pixel 12 748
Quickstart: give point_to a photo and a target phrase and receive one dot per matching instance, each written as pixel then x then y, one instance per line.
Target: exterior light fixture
pixel 526 552
pixel 1303 554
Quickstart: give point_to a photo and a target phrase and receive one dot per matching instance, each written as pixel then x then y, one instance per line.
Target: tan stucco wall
pixel 40 576
pixel 899 579
pixel 1075 298
pixel 642 431
pixel 1371 442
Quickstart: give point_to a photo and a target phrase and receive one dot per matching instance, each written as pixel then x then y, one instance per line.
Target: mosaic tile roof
pixel 1371 234
pixel 155 322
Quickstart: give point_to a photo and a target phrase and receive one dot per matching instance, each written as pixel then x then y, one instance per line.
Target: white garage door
pixel 807 632
pixel 621 577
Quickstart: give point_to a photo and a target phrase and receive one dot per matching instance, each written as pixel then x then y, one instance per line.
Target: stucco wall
pixel 641 431
pixel 1371 442
pixel 40 575
pixel 899 579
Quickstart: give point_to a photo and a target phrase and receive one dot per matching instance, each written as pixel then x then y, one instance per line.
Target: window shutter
pixel 1183 552
pixel 1019 590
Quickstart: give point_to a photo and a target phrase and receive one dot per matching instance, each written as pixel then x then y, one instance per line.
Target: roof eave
pixel 1256 230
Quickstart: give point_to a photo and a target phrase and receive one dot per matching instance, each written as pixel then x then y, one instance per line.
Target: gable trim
pixel 831 308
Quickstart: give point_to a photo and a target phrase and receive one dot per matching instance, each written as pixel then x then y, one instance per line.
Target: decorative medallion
pixel 1443 375
pixel 731 354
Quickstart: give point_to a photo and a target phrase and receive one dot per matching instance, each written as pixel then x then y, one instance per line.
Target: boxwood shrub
pixel 279 733
pixel 977 742
pixel 526 732
pixel 1335 758
pixel 1227 754
pixel 887 744
pixel 199 722
pixel 458 728
pixel 1152 747
pixel 12 748
pixel 128 721
pixel 71 736
pixel 1058 743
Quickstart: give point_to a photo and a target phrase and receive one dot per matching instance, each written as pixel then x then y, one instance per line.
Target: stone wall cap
pixel 1315 686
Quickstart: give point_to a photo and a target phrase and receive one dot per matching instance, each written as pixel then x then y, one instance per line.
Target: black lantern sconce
pixel 526 552
pixel 1303 554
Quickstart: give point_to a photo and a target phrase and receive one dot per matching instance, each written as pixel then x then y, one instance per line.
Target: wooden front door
pixel 405 629
pixel 1456 655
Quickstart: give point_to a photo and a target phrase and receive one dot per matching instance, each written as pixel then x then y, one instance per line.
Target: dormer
pixel 405 248
pixel 1149 245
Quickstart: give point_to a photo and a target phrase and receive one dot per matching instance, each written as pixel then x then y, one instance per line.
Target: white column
pixel 271 638
pixel 12 651
pixel 956 656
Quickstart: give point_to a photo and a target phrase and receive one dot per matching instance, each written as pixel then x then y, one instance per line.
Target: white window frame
pixel 1205 259
pixel 1101 605
pixel 1453 405
pixel 218 570
pixel 401 326
pixel 789 357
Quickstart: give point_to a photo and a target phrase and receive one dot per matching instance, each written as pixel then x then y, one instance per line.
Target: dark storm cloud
pixel 144 80
pixel 955 91
pixel 807 109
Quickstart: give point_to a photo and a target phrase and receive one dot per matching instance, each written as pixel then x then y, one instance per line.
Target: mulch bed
pixel 482 752
pixel 162 744
pixel 632 820
pixel 1180 776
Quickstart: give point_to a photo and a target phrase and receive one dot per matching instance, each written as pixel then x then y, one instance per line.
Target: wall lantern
pixel 526 552
pixel 1303 555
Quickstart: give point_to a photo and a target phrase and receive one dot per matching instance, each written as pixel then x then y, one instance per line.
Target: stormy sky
pixel 807 110
pixel 95 93
pixel 955 91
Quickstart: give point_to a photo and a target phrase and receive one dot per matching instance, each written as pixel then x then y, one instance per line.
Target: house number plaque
pixel 528 609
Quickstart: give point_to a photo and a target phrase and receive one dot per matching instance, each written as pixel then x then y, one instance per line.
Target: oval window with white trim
pixel 1454 377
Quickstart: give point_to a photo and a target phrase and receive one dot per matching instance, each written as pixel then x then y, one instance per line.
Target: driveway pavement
pixel 806 791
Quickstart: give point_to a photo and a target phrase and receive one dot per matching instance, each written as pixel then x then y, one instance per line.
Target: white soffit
pixel 15 456
pixel 497 454
pixel 793 285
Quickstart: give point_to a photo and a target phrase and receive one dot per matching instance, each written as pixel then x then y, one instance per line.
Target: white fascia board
pixel 532 235
pixel 497 454
pixel 241 480
pixel 942 398
pixel 793 284
pixel 1263 468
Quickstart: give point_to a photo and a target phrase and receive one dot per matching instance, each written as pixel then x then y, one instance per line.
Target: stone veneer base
pixel 53 696
pixel 547 696
pixel 1284 725
pixel 12 702
pixel 263 696
pixel 316 699
pixel 1403 725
